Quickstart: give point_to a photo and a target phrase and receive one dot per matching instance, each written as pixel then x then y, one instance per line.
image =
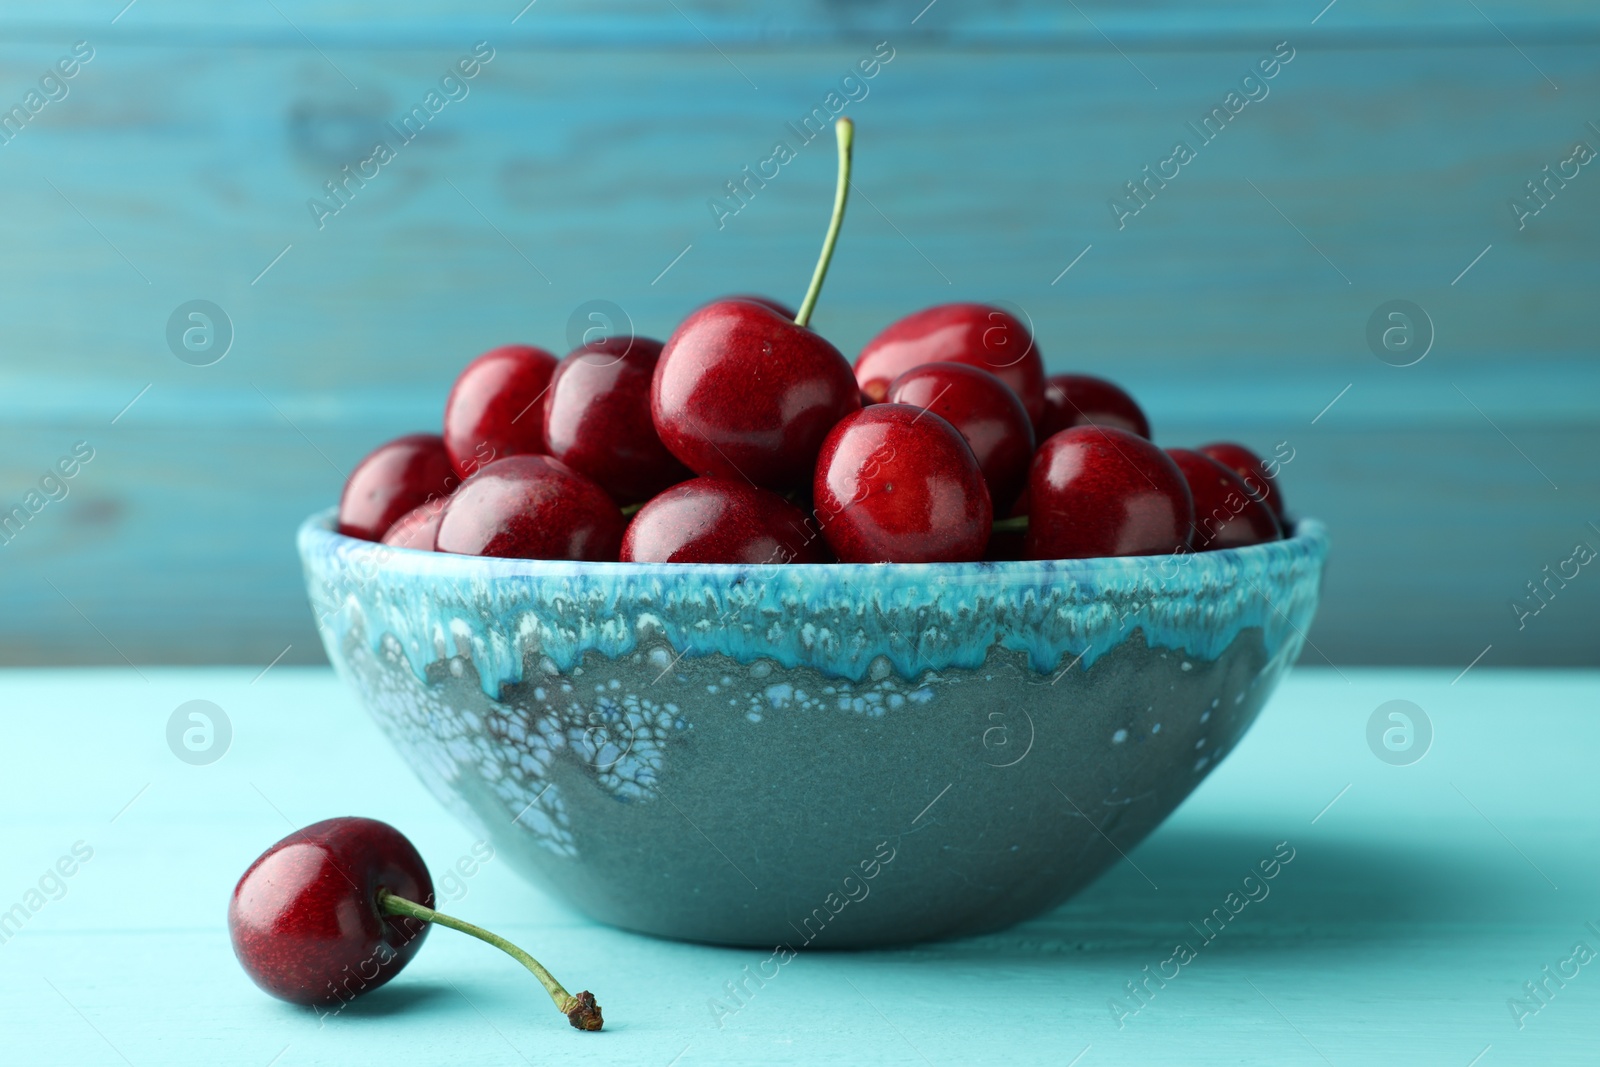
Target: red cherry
pixel 530 507
pixel 897 484
pixel 417 528
pixel 1248 466
pixel 496 407
pixel 597 419
pixel 1080 400
pixel 975 334
pixel 713 520
pixel 337 909
pixel 984 411
pixel 743 394
pixel 305 918
pixel 1226 515
pixel 767 302
pixel 393 479
pixel 1105 492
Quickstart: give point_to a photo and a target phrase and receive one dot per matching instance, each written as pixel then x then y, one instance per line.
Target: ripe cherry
pixel 978 335
pixel 530 507
pixel 1254 473
pixel 597 419
pixel 1105 492
pixel 1080 400
pixel 496 407
pixel 745 394
pixel 767 302
pixel 1226 515
pixel 336 910
pixel 417 528
pixel 713 520
pixel 985 411
pixel 897 484
pixel 394 478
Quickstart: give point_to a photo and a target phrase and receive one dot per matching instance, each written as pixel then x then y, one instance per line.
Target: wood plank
pixel 982 173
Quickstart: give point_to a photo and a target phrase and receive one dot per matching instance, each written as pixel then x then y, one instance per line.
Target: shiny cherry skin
pixel 985 412
pixel 897 484
pixel 1226 515
pixel 1248 466
pixel 1081 400
pixel 714 520
pixel 597 419
pixel 417 528
pixel 975 334
pixel 496 407
pixel 742 393
pixel 305 919
pixel 530 507
pixel 394 478
pixel 767 302
pixel 1096 491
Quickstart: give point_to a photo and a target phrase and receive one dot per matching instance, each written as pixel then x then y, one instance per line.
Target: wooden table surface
pixel 1418 901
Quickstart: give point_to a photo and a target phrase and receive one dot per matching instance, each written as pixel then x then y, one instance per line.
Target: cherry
pixel 1226 515
pixel 338 908
pixel 765 301
pixel 417 528
pixel 1080 400
pixel 530 507
pixel 898 484
pixel 1254 473
pixel 714 520
pixel 597 419
pixel 985 411
pixel 975 334
pixel 1096 491
pixel 741 392
pixel 393 479
pixel 496 407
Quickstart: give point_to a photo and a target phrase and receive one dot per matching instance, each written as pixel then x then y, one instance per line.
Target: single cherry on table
pixel 978 335
pixel 717 520
pixel 496 407
pixel 986 413
pixel 338 908
pixel 741 391
pixel 530 507
pixel 899 484
pixel 1096 491
pixel 393 479
pixel 597 419
pixel 1226 515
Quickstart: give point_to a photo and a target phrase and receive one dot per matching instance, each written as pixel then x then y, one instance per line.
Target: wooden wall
pixel 580 165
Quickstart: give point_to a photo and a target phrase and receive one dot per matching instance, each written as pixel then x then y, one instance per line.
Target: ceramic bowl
pixel 832 755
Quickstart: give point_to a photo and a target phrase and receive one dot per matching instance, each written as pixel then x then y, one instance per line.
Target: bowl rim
pixel 319 531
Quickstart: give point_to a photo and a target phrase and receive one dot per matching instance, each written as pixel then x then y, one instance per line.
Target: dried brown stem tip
pixel 583 1013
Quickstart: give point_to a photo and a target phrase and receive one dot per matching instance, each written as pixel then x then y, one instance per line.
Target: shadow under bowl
pixel 835 755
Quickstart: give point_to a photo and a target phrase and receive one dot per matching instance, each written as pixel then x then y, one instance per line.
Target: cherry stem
pixel 632 509
pixel 846 131
pixel 580 1010
pixel 1009 525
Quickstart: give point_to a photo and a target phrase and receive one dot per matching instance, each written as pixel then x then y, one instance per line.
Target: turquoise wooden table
pixel 1434 910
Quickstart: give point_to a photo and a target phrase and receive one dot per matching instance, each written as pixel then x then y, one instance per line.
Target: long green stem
pixel 580 1010
pixel 846 131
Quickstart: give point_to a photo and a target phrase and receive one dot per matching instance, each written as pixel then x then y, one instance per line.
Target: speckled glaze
pixel 828 755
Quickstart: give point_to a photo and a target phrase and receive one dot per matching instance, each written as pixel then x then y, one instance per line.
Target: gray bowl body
pixel 832 756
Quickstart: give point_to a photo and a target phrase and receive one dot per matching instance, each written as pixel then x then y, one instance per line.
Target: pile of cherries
pixel 748 438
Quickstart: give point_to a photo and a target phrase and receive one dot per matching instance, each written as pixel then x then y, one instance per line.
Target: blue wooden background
pixel 1380 166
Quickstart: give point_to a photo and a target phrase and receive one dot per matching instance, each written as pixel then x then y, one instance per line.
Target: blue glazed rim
pixel 836 617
